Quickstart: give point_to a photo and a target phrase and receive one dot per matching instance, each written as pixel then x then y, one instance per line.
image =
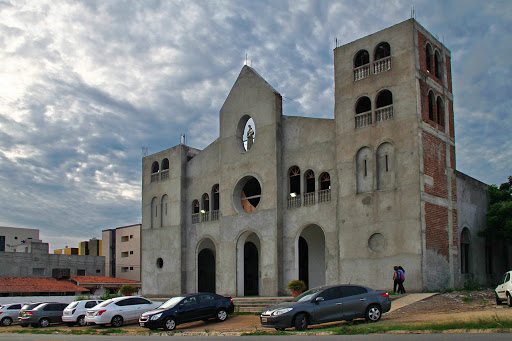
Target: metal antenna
pixel 145 151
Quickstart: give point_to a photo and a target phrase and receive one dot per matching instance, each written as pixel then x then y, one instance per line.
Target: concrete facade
pixel 121 249
pixel 15 239
pixel 323 200
pixel 38 262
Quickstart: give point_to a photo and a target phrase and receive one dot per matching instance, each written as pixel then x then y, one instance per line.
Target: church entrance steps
pixel 257 304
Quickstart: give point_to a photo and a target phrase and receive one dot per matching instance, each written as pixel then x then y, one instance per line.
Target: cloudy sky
pixel 84 85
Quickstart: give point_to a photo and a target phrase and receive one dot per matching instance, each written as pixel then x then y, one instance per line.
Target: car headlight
pixel 155 317
pixel 278 312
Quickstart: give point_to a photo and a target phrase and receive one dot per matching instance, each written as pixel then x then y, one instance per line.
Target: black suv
pixel 41 315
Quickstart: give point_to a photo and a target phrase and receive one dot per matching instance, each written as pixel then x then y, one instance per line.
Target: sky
pixel 85 85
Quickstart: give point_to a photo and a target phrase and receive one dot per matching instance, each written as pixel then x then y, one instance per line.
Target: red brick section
pixel 449 72
pixel 450 117
pixel 436 221
pixel 37 285
pixel 434 164
pixel 455 229
pixel 422 45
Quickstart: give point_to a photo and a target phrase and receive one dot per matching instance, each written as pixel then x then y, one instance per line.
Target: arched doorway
pixel 248 264
pixel 206 266
pixel 311 256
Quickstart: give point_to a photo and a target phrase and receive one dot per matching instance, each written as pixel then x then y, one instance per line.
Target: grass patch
pixel 89 331
pixel 467 299
pixel 241 313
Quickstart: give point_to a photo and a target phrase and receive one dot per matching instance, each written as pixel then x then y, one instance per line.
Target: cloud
pixel 85 84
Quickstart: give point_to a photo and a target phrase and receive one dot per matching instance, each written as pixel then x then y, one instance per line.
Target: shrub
pixel 127 290
pixel 296 285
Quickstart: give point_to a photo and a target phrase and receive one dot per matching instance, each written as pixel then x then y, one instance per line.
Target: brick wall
pixel 434 164
pixel 436 223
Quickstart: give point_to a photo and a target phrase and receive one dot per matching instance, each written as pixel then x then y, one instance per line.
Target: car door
pixel 140 306
pixel 124 308
pixel 354 301
pixel 501 290
pixel 330 309
pixel 207 306
pixel 187 309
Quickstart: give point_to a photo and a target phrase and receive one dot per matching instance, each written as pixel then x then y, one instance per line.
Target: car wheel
pixel 498 301
pixel 170 324
pixel 301 322
pixel 373 313
pixel 44 322
pixel 80 321
pixel 509 300
pixel 117 321
pixel 222 315
pixel 6 321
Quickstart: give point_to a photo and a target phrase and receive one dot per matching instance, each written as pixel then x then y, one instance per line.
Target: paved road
pixel 391 337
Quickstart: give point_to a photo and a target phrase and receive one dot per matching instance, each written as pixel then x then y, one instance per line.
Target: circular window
pixel 376 242
pixel 159 263
pixel 245 133
pixel 247 194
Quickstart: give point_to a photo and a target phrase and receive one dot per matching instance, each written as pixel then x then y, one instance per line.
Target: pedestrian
pixel 401 280
pixel 396 278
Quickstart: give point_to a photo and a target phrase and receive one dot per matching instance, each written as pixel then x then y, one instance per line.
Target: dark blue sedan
pixel 188 308
pixel 327 304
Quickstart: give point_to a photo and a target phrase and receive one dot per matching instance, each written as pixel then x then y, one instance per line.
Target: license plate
pixel 141 324
pixel 263 319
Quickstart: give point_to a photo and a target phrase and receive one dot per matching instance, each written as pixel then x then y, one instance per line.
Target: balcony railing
pixel 155 177
pixel 362 72
pixel 215 215
pixel 382 65
pixel 363 119
pixel 164 174
pixel 195 218
pixel 324 195
pixel 205 216
pixel 294 201
pixel 309 199
pixel 384 113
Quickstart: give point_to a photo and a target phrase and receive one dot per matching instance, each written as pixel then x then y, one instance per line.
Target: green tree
pixel 499 214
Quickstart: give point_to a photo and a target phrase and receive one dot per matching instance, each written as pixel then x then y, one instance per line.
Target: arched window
pixel 437 64
pixel 431 105
pixel 385 166
pixel 362 58
pixel 155 167
pixel 195 212
pixel 382 51
pixel 205 201
pixel 309 177
pixel 309 183
pixel 440 111
pixel 165 164
pixel 465 244
pixel 363 112
pixel 215 202
pixel 428 57
pixel 384 109
pixel 294 187
pixel 154 171
pixel 361 65
pixel 324 194
pixel 364 170
pixel 154 212
pixel 164 211
pixel 195 207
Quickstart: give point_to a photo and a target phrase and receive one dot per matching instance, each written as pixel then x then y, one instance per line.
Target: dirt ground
pixel 439 308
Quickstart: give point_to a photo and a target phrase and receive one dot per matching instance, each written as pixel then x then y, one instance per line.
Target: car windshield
pixel 171 303
pixel 307 295
pixel 103 304
pixel 72 305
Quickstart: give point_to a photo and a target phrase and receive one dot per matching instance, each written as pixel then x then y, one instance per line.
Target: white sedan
pixel 75 311
pixel 119 310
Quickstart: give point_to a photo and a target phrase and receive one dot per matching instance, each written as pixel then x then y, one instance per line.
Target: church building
pixel 276 198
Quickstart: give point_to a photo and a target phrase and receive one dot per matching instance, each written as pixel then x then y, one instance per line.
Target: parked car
pixel 119 310
pixel 327 304
pixel 75 311
pixel 504 290
pixel 9 313
pixel 188 308
pixel 43 314
pixel 25 307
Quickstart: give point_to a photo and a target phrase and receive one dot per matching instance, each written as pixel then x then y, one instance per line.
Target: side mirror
pixel 319 299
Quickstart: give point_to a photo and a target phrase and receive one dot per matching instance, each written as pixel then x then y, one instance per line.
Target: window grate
pixel 363 119
pixel 215 215
pixel 195 218
pixel 294 201
pixel 384 113
pixel 309 199
pixel 164 174
pixel 362 72
pixel 382 65
pixel 324 195
pixel 155 177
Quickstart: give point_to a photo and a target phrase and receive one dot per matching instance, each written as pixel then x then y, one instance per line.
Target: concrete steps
pixel 257 304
